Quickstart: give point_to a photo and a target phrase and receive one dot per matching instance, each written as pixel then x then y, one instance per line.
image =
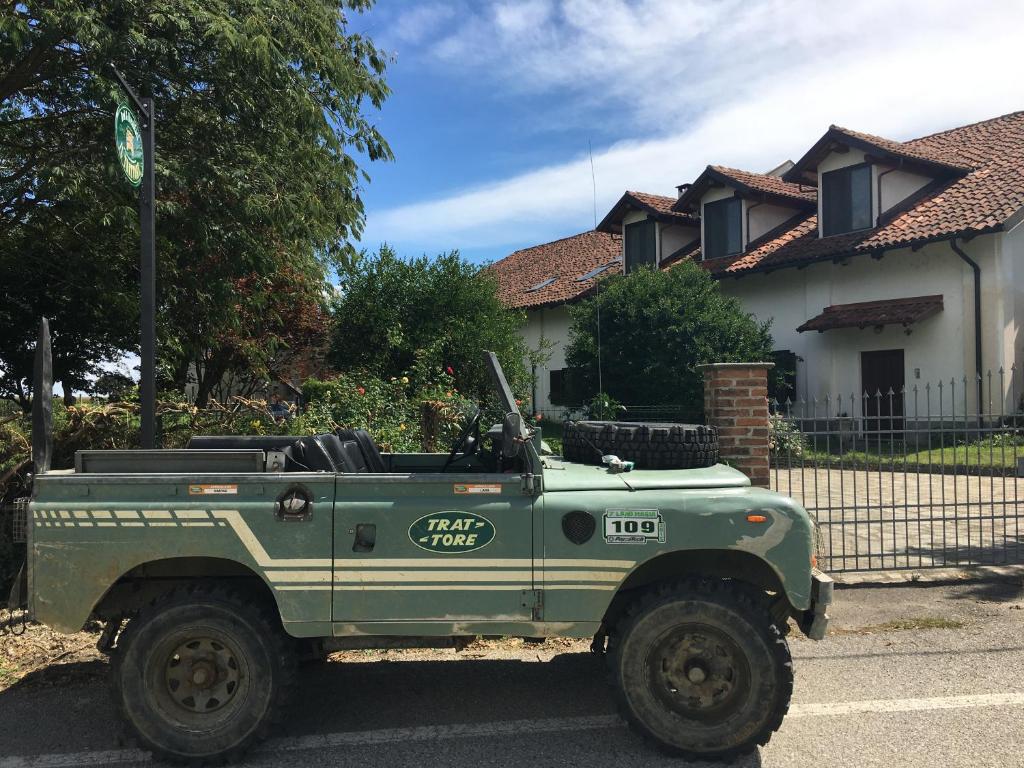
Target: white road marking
pixel 831 709
pixel 511 728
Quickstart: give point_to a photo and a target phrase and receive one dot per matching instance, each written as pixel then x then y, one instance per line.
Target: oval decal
pixel 450 533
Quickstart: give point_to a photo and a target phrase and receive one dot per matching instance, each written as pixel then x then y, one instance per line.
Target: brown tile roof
pixel 746 182
pixel 980 201
pixel 930 158
pixel 565 260
pixel 866 314
pixel 658 206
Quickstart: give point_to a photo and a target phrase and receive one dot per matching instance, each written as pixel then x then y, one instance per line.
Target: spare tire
pixel 648 446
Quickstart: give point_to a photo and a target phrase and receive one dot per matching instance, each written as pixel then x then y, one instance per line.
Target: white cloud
pixel 699 82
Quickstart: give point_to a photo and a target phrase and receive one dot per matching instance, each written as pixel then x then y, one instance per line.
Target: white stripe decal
pixel 259 554
pixel 305 576
pixel 478 562
pixel 430 587
pixel 471 576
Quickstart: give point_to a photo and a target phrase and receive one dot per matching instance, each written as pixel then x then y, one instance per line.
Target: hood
pixel 561 475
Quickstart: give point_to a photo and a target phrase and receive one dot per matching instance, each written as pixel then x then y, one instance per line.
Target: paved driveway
pixel 883 691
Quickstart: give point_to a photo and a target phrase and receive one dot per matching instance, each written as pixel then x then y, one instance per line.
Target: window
pixel 641 244
pixel 846 200
pixel 782 378
pixel 556 387
pixel 723 228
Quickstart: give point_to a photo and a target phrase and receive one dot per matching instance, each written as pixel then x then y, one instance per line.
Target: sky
pixel 497 105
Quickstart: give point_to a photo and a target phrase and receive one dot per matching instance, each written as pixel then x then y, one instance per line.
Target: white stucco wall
pixel 939 348
pixel 759 218
pixel 672 237
pixel 897 185
pixel 551 323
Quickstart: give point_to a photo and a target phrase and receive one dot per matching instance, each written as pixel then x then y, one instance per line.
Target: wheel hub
pixel 699 673
pixel 202 675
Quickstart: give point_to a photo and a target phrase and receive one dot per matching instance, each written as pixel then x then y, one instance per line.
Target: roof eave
pixel 805 170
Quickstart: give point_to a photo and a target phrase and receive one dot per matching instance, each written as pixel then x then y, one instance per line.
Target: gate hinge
pixel 534 600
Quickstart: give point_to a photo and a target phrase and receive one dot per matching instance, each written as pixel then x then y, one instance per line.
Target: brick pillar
pixel 736 401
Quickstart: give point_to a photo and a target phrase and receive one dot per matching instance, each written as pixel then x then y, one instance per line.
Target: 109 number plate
pixel 633 526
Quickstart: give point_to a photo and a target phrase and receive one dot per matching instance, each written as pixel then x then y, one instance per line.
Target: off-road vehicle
pixel 216 566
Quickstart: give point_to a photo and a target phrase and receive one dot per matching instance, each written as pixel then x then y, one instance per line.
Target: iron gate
pixel 920 478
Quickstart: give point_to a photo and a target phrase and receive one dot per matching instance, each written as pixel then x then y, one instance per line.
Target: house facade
pixel 880 264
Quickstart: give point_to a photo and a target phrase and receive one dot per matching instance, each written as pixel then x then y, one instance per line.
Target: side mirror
pixel 511 435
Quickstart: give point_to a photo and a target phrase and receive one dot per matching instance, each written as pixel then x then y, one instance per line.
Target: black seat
pixel 372 459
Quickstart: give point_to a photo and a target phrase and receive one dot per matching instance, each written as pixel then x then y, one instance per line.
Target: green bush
pixel 784 438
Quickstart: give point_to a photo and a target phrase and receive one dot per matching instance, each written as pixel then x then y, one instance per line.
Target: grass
pixel 976 455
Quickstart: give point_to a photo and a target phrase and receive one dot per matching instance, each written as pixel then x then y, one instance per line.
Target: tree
pixel 656 327
pixel 392 315
pixel 260 121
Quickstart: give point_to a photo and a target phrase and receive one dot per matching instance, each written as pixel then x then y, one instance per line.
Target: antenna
pixel 593 179
pixel 593 183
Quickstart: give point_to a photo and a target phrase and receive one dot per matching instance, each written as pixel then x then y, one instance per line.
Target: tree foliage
pixel 394 316
pixel 655 329
pixel 260 118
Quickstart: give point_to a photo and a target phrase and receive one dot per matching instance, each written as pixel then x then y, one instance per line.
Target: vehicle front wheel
pixel 701 669
pixel 201 674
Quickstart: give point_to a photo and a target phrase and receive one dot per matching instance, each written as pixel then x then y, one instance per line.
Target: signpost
pixel 134 140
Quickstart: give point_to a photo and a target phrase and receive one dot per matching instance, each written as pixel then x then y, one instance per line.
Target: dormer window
pixel 723 228
pixel 641 244
pixel 846 200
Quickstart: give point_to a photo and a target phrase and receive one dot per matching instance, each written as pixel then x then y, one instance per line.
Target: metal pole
pixel 147 218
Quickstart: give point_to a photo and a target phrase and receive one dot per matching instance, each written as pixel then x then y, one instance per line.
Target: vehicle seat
pixel 372 459
pixel 313 454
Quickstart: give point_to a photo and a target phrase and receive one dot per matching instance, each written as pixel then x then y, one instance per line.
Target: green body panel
pixel 527 578
pixel 89 530
pixel 402 580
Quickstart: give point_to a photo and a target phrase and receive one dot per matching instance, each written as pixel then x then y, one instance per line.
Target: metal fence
pixel 920 478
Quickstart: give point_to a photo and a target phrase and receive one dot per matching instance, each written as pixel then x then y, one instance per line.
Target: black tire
pixel 700 669
pixel 182 637
pixel 648 446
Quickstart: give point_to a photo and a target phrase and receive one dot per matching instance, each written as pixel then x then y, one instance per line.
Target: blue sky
pixel 495 101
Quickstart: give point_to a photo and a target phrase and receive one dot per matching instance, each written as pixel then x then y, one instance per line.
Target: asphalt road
pixel 913 676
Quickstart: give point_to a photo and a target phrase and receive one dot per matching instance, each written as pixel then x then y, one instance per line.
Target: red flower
pixel 539 416
pixel 518 401
pixel 450 370
pixel 361 390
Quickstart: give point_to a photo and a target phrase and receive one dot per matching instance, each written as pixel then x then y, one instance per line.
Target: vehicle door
pixel 432 547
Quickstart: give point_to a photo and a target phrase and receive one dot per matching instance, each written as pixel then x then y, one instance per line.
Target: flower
pixel 448 394
pixel 450 371
pixel 518 401
pixel 361 390
pixel 405 379
pixel 401 427
pixel 538 416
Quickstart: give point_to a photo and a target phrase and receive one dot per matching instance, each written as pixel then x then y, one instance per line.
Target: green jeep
pixel 216 567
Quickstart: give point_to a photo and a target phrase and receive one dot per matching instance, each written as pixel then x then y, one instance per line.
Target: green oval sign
pixel 451 532
pixel 128 140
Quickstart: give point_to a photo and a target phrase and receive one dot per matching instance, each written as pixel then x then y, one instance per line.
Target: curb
pixel 930 576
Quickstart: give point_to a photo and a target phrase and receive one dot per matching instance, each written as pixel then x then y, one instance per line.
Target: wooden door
pixel 882 372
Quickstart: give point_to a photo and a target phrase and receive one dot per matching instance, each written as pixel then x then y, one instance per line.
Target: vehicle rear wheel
pixel 701 670
pixel 201 674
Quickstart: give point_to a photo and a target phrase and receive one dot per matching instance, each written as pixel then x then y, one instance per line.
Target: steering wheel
pixel 470 431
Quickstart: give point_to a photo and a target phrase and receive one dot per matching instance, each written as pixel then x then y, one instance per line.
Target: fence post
pixel 736 401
